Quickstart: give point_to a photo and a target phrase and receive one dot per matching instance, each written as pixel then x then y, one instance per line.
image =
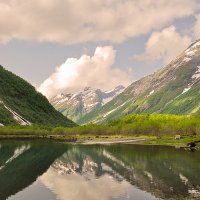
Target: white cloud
pixel 92 189
pixel 96 71
pixel 164 45
pixel 197 27
pixel 68 21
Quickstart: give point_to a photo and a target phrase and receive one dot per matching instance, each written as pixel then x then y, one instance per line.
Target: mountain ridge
pixel 75 106
pixel 173 89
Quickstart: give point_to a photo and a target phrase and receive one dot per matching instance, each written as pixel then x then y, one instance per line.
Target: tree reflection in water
pixel 100 171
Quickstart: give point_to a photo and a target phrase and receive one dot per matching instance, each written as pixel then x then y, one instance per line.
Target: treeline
pixel 142 124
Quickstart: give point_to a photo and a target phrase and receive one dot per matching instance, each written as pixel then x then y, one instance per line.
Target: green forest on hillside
pixel 20 96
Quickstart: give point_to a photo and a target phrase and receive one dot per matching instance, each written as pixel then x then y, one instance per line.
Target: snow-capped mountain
pixel 75 106
pixel 174 89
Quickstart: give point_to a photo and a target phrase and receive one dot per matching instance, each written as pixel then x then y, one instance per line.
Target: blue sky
pixel 38 39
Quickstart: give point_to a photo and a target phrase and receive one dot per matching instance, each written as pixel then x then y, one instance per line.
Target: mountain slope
pixel 76 106
pixel 21 104
pixel 174 89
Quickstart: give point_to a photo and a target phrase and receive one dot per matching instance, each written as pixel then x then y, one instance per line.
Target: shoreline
pixel 105 139
pixel 123 141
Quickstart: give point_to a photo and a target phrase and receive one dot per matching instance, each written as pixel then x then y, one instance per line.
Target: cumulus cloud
pixel 79 188
pixel 68 21
pixel 197 27
pixel 164 45
pixel 95 71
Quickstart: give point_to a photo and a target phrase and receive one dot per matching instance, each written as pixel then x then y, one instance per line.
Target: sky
pixel 66 45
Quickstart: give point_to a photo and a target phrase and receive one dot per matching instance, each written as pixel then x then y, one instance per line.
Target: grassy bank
pixel 157 129
pixel 93 139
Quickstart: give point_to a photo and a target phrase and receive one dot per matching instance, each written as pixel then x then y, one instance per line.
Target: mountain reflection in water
pixel 97 172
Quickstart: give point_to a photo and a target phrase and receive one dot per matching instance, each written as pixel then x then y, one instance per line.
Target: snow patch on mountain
pixel 18 118
pixel 195 76
pixel 151 92
pixel 186 89
pixel 92 105
pixel 187 59
pixel 196 45
pixel 197 73
pixel 75 105
pixel 108 113
pixel 191 52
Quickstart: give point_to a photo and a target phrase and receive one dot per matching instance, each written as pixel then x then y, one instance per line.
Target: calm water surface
pixel 53 171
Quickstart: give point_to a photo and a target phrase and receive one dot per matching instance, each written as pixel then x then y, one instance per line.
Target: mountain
pixel 174 89
pixel 21 104
pixel 76 106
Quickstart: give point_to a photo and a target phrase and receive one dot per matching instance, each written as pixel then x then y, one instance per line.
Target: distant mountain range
pixel 76 106
pixel 21 104
pixel 174 89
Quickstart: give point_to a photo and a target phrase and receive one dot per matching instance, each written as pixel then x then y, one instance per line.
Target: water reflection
pixel 162 171
pixel 22 162
pixel 68 172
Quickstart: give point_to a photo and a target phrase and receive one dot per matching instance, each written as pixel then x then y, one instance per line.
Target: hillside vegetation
pixel 21 97
pixel 174 89
pixel 135 125
pixel 143 124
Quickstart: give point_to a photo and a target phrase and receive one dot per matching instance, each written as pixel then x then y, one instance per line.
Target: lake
pixel 44 170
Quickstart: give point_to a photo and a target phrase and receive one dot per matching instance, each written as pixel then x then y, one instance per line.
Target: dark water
pixel 53 171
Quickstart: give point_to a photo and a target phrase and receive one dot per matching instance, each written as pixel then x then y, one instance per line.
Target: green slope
pixel 174 89
pixel 21 97
pixel 187 103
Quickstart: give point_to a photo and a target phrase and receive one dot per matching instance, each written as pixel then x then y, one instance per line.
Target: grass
pixel 171 141
pixel 149 140
pixel 155 128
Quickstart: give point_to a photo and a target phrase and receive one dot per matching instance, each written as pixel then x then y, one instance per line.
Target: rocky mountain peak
pixel 77 105
pixel 87 88
pixel 174 89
